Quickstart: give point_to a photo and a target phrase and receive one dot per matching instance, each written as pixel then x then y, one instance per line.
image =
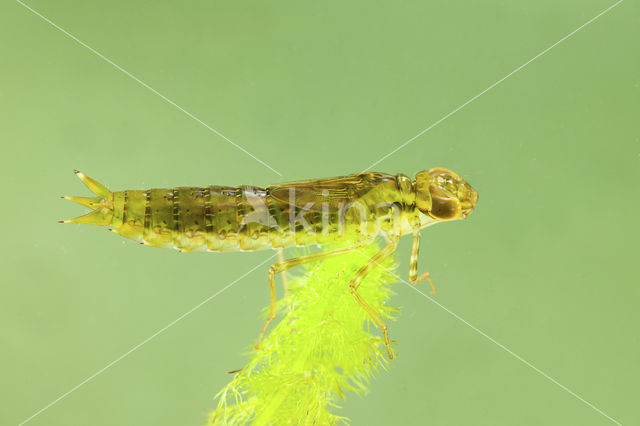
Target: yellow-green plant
pixel 325 346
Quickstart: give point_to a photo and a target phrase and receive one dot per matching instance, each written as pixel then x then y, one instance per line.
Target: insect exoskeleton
pixel 351 210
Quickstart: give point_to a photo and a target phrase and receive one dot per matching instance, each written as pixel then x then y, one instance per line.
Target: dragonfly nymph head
pixel 443 195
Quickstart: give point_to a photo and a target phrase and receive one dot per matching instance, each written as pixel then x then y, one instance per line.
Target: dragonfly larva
pixel 351 210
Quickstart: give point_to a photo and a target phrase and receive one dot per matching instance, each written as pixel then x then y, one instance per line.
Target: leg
pixel 285 280
pixel 290 263
pixel 413 264
pixel 355 283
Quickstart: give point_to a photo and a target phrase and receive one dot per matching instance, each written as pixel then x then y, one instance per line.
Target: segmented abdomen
pixel 221 218
pixel 189 218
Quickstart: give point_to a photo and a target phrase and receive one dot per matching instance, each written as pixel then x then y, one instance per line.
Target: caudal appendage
pixel 102 205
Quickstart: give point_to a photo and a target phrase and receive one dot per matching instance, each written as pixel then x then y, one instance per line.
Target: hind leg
pixel 290 263
pixel 285 278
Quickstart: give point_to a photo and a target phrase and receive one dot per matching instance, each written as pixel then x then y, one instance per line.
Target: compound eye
pixel 444 207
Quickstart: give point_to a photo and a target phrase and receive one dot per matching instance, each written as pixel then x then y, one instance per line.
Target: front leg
pixel 413 264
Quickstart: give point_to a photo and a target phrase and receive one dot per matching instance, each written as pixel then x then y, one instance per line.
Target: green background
pixel 547 265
